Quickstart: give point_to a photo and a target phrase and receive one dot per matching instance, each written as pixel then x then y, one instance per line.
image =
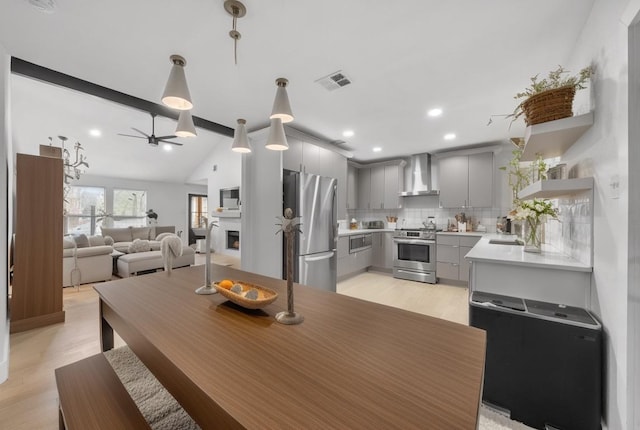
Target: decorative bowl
pixel 265 295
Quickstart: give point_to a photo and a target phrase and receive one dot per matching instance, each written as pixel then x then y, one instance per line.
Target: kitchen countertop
pixel 550 258
pixel 468 233
pixel 345 232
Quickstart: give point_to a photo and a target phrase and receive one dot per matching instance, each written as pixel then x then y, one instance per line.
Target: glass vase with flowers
pixel 533 213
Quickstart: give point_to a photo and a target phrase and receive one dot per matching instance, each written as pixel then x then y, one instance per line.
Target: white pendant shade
pixel 185 128
pixel 277 141
pixel 240 139
pixel 176 93
pixel 281 107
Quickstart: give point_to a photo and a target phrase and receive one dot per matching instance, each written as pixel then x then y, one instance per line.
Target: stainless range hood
pixel 418 176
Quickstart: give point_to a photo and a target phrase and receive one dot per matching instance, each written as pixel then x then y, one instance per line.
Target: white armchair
pixel 85 262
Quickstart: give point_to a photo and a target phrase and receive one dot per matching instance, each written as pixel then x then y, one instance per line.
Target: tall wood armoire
pixel 36 298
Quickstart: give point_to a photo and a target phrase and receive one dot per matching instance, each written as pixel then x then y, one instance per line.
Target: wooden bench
pixel 93 397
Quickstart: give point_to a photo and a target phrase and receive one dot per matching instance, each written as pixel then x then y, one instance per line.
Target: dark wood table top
pixel 350 364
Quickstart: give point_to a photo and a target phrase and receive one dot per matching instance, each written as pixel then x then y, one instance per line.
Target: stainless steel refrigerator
pixel 313 199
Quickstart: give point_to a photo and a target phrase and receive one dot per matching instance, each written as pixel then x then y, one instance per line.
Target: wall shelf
pixel 554 138
pixel 555 188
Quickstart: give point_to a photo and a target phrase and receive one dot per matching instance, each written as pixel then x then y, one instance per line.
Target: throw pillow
pixel 108 240
pixel 81 240
pixel 68 243
pixel 163 235
pixel 140 232
pixel 139 245
pixel 96 241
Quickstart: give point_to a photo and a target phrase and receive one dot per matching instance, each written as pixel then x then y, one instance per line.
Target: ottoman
pixel 150 261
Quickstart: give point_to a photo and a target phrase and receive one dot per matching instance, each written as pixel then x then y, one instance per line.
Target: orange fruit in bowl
pixel 226 284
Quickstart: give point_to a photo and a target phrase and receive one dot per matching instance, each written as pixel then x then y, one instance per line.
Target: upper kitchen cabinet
pixel 466 180
pixel 379 186
pixel 352 187
pixel 364 188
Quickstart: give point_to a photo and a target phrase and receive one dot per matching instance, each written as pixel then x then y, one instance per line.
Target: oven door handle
pixel 415 241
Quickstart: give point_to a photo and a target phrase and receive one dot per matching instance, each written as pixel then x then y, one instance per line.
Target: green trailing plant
pixel 521 174
pixel 555 79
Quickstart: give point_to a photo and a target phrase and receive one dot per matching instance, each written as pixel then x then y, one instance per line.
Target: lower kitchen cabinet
pixel 450 252
pixel 351 263
pixel 383 250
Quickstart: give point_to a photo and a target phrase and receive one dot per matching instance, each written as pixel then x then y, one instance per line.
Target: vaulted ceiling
pixel 467 57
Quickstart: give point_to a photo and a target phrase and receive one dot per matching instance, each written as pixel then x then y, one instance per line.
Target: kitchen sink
pixel 514 241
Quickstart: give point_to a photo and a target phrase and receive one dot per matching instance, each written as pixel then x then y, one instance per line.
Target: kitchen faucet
pixel 206 288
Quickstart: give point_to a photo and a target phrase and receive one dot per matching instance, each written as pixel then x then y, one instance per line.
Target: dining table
pixel 351 364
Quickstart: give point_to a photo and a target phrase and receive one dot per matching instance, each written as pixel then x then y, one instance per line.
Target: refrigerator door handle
pixel 323 256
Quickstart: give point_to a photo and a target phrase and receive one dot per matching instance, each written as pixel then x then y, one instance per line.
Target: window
pixel 84 209
pixel 198 211
pixel 129 208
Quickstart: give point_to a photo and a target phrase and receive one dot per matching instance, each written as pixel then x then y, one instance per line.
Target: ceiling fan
pixel 152 139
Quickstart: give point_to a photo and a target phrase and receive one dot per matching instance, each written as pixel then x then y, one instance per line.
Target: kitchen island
pixel 550 276
pixel 350 364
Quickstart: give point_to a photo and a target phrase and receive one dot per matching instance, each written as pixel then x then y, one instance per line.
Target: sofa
pixel 137 249
pixel 85 259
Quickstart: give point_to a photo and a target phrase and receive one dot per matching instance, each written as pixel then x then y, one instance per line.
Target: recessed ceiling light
pixel 377 149
pixel 95 132
pixel 449 136
pixel 348 133
pixel 167 147
pixel 434 112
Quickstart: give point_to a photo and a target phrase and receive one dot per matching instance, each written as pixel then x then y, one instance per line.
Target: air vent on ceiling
pixel 334 81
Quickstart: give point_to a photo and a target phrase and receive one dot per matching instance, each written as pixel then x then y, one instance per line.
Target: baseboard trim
pixel 35 322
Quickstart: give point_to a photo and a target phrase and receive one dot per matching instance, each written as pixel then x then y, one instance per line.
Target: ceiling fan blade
pixel 141 132
pixel 168 141
pixel 166 137
pixel 131 135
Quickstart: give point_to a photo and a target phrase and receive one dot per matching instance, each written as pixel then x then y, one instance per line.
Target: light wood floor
pixel 444 301
pixel 28 399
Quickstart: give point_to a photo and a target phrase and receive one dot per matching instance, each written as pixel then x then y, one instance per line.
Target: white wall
pixel 219 156
pixel 228 165
pixel 5 209
pixel 633 295
pixel 602 153
pixel 168 200
pixel 261 188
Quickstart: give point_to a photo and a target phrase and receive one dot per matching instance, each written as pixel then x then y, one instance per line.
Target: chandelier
pixel 72 168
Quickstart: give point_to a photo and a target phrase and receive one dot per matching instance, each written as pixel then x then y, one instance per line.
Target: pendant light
pixel 176 93
pixel 281 107
pixel 277 140
pixel 240 139
pixel 185 127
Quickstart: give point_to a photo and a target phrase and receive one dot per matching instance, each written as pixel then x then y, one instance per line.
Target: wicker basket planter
pixel 549 105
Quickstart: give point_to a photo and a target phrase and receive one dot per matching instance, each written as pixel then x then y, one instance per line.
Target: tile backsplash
pixel 418 209
pixel 571 233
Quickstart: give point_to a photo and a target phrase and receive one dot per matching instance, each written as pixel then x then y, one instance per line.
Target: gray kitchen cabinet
pixel 466 180
pixel 481 174
pixel 379 186
pixel 364 188
pixel 292 157
pixel 450 252
pixel 393 179
pixel 466 243
pixel 383 250
pixel 376 197
pixel 352 187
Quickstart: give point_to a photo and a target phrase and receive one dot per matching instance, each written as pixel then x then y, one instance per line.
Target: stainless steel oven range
pixel 414 255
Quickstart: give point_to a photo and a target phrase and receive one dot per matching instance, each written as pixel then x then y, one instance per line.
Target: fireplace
pixel 233 239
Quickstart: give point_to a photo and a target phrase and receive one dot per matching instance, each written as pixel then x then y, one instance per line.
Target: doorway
pixel 198 217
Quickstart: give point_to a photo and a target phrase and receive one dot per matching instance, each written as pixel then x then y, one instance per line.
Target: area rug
pixel 163 412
